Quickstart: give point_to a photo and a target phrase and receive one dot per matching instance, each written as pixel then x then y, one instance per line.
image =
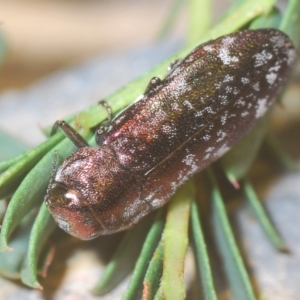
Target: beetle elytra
pixel 207 103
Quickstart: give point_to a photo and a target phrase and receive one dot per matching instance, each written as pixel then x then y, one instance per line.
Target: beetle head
pixel 91 194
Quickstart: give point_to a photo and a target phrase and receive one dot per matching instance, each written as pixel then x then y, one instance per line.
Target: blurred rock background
pixel 43 36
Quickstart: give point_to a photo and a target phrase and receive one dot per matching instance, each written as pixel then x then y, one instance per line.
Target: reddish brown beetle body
pixel 208 102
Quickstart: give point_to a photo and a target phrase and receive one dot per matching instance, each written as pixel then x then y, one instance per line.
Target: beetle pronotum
pixel 208 102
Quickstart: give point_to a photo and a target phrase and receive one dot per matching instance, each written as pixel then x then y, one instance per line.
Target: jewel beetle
pixel 208 101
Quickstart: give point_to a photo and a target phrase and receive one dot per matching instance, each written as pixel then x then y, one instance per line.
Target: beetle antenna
pixel 54 169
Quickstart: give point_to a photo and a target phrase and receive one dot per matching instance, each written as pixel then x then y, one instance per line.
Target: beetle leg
pixel 108 109
pixel 54 170
pixel 102 128
pixel 71 133
pixel 173 65
pixel 155 81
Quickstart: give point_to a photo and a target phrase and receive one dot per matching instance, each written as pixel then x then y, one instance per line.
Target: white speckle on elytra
pixel 235 90
pixel 244 114
pixel 291 54
pixel 174 184
pixel 262 107
pixel 224 52
pixel 278 41
pixel 250 96
pixel 221 134
pixel 175 106
pixel 208 48
pixel 199 113
pixel 240 103
pixel 130 209
pixel 228 78
pixel 180 176
pixel 224 119
pixel 262 58
pixel 156 203
pixel 274 68
pixel 189 159
pixel 188 104
pixel 245 80
pixel 255 86
pixel 217 85
pixel 207 156
pixel 151 195
pixel 221 151
pixel 228 89
pixel 206 137
pixel 209 149
pixel 223 99
pixel 209 110
pixel 168 129
pixel 160 115
pixel 271 77
pixel 180 83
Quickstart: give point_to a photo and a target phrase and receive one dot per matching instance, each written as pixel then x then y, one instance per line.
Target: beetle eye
pixel 58 195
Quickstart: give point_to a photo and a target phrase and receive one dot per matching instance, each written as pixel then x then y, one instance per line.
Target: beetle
pixel 207 102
